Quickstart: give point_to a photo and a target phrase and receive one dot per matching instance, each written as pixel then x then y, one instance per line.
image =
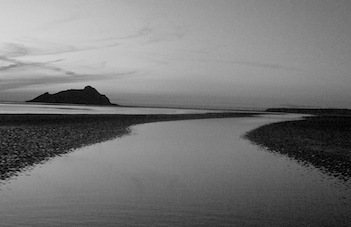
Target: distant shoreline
pixel 29 139
pixel 313 111
pixel 205 108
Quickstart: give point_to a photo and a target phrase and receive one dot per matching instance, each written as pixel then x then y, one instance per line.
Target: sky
pixel 199 53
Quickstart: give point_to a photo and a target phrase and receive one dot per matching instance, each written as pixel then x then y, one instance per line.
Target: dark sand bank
pixel 323 141
pixel 28 139
pixel 313 111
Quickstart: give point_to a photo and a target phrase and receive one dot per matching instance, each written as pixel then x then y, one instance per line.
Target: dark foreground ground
pixel 323 141
pixel 29 139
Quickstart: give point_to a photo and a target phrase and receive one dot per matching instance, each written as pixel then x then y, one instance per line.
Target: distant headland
pixel 88 96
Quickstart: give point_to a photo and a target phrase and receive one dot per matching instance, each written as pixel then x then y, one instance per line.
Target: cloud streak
pixel 267 65
pixel 253 64
pixel 31 78
pixel 17 83
pixel 18 64
pixel 39 48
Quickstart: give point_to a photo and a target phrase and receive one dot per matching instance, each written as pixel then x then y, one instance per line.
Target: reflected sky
pixel 30 108
pixel 184 173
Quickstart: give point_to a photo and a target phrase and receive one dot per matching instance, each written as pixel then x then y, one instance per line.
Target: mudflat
pixel 323 141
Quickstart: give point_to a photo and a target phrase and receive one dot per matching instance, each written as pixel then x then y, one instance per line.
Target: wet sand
pixel 29 139
pixel 323 141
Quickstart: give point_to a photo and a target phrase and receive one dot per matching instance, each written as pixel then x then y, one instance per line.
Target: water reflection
pixel 32 108
pixel 185 173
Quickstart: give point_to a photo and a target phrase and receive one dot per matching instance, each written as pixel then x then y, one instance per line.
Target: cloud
pixel 39 73
pixel 28 46
pixel 255 64
pixel 35 79
pixel 144 31
pixel 72 49
pixel 266 65
pixel 51 48
pixel 152 35
pixel 20 64
pixel 14 64
pixel 58 22
pixel 166 37
pixel 7 67
pixel 40 48
pixel 13 50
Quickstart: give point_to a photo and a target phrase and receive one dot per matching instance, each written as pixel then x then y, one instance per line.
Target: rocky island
pixel 88 95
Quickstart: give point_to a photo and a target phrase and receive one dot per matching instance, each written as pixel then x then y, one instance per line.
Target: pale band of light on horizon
pixel 191 53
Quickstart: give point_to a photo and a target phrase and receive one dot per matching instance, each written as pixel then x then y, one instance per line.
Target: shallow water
pixel 183 173
pixel 35 108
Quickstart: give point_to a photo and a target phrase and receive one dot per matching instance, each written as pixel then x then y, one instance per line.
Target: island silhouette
pixel 88 96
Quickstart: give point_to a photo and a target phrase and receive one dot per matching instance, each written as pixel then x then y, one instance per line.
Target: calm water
pixel 32 108
pixel 184 173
